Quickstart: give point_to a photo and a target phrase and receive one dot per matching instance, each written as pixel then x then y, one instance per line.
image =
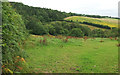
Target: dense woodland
pixel 38 14
pixel 19 20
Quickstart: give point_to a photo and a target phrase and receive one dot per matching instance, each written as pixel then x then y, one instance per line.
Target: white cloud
pixel 99 7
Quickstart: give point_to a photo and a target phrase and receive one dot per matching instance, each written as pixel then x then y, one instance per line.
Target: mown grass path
pixel 75 56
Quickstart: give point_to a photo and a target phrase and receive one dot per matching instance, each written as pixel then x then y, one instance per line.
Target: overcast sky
pixel 92 7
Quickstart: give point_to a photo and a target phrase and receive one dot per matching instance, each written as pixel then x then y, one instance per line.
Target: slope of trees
pixel 42 21
pixel 42 14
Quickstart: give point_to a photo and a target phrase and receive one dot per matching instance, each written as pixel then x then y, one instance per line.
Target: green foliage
pixel 57 28
pixel 37 17
pixel 115 32
pixel 41 14
pixel 105 33
pixel 76 32
pixel 42 21
pixel 36 28
pixel 97 33
pixel 65 32
pixel 13 33
pixel 51 29
pixel 86 30
pixel 65 28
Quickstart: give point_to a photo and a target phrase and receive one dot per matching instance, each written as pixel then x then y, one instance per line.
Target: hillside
pixel 43 21
pixel 37 13
pixel 47 15
pixel 107 23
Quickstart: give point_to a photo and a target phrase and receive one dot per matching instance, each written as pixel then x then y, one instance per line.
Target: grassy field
pixel 92 27
pixel 102 21
pixel 74 56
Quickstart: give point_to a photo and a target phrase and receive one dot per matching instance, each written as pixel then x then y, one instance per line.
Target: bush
pixel 14 34
pixel 36 28
pixel 76 32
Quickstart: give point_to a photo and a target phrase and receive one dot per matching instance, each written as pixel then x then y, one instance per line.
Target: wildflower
pixel 18 56
pixel 3 66
pixel 19 67
pixel 22 59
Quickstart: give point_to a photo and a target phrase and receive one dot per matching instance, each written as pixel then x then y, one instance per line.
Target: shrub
pixel 111 38
pixel 36 28
pixel 14 34
pixel 44 41
pixel 76 32
pixel 85 38
pixel 65 40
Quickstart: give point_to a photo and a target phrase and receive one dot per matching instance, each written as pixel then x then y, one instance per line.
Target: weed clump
pixel 44 41
pixel 118 45
pixel 59 37
pixel 65 40
pixel 116 38
pixel 101 41
pixel 85 38
pixel 110 38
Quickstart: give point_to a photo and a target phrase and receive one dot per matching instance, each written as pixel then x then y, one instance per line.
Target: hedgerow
pixel 14 34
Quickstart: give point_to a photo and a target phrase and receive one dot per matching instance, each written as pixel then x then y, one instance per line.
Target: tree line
pixel 91 24
pixel 93 16
pixel 69 29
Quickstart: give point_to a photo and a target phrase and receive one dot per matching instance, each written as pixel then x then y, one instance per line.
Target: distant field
pixel 92 27
pixel 102 21
pixel 74 56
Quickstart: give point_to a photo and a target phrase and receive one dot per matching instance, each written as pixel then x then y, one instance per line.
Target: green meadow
pixel 73 56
